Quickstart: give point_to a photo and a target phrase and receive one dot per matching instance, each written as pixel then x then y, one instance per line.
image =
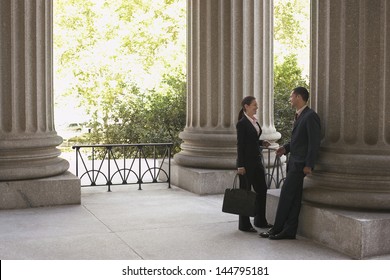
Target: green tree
pixel 125 63
pixel 146 117
pixel 288 29
pixel 287 76
pixel 291 58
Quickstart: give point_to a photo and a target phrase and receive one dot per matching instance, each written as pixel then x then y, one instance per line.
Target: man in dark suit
pixel 303 148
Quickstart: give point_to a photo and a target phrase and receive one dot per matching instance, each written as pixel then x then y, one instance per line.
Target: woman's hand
pixel 241 171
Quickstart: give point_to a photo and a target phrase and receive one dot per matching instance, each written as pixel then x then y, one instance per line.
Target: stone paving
pixel 153 223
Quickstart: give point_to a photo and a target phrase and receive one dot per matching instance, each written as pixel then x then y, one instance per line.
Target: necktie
pixel 295 119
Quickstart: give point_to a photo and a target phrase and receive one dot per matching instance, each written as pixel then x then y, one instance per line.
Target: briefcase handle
pixel 246 182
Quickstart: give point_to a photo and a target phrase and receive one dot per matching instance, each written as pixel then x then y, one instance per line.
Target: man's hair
pixel 303 92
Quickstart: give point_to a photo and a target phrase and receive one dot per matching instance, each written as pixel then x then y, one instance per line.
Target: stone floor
pixel 156 223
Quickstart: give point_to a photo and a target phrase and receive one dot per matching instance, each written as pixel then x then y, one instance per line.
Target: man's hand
pixel 307 170
pixel 281 151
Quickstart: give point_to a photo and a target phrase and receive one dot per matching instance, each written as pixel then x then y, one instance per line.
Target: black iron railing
pixel 275 172
pixel 123 164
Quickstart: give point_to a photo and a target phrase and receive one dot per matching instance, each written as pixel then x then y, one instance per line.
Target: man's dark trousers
pixel 290 199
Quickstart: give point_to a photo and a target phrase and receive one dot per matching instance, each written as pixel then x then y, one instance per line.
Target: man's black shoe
pixel 280 236
pixel 266 234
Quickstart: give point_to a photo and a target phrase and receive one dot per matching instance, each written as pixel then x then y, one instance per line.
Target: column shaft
pixel 28 138
pixel 229 57
pixel 350 81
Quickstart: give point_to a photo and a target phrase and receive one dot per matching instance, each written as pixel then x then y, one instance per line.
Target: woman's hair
pixel 246 101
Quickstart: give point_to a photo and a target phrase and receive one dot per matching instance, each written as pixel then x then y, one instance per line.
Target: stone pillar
pixel 28 139
pixel 230 45
pixel 347 198
pixel 229 57
pixel 350 80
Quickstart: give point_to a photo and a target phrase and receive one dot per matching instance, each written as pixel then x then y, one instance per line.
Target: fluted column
pixel 351 84
pixel 229 57
pixel 28 138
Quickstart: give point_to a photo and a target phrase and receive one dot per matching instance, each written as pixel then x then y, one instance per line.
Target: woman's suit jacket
pixel 248 143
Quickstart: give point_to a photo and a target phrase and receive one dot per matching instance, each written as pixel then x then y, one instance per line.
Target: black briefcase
pixel 239 201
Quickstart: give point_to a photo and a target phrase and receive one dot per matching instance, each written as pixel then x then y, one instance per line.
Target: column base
pixel 201 181
pixel 63 189
pixel 357 234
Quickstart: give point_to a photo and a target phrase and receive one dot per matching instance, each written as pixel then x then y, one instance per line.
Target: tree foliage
pixel 287 76
pixel 288 28
pixel 123 62
pixel 291 46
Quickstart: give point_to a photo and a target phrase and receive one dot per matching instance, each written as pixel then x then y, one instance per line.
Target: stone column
pixel 229 57
pixel 351 83
pixel 28 138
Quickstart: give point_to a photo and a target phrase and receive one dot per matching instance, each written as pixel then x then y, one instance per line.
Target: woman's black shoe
pixel 249 230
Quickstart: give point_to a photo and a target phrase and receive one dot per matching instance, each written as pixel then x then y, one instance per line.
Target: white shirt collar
pixel 298 112
pixel 254 119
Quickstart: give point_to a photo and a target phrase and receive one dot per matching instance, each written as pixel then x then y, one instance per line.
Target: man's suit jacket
pixel 248 143
pixel 305 139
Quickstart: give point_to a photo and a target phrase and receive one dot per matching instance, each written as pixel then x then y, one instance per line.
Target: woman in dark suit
pixel 249 162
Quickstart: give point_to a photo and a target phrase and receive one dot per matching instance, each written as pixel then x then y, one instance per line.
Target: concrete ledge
pixel 58 190
pixel 201 181
pixel 357 234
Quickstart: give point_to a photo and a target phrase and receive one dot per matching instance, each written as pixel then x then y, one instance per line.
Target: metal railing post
pixel 276 165
pixel 109 150
pixel 139 167
pixel 169 165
